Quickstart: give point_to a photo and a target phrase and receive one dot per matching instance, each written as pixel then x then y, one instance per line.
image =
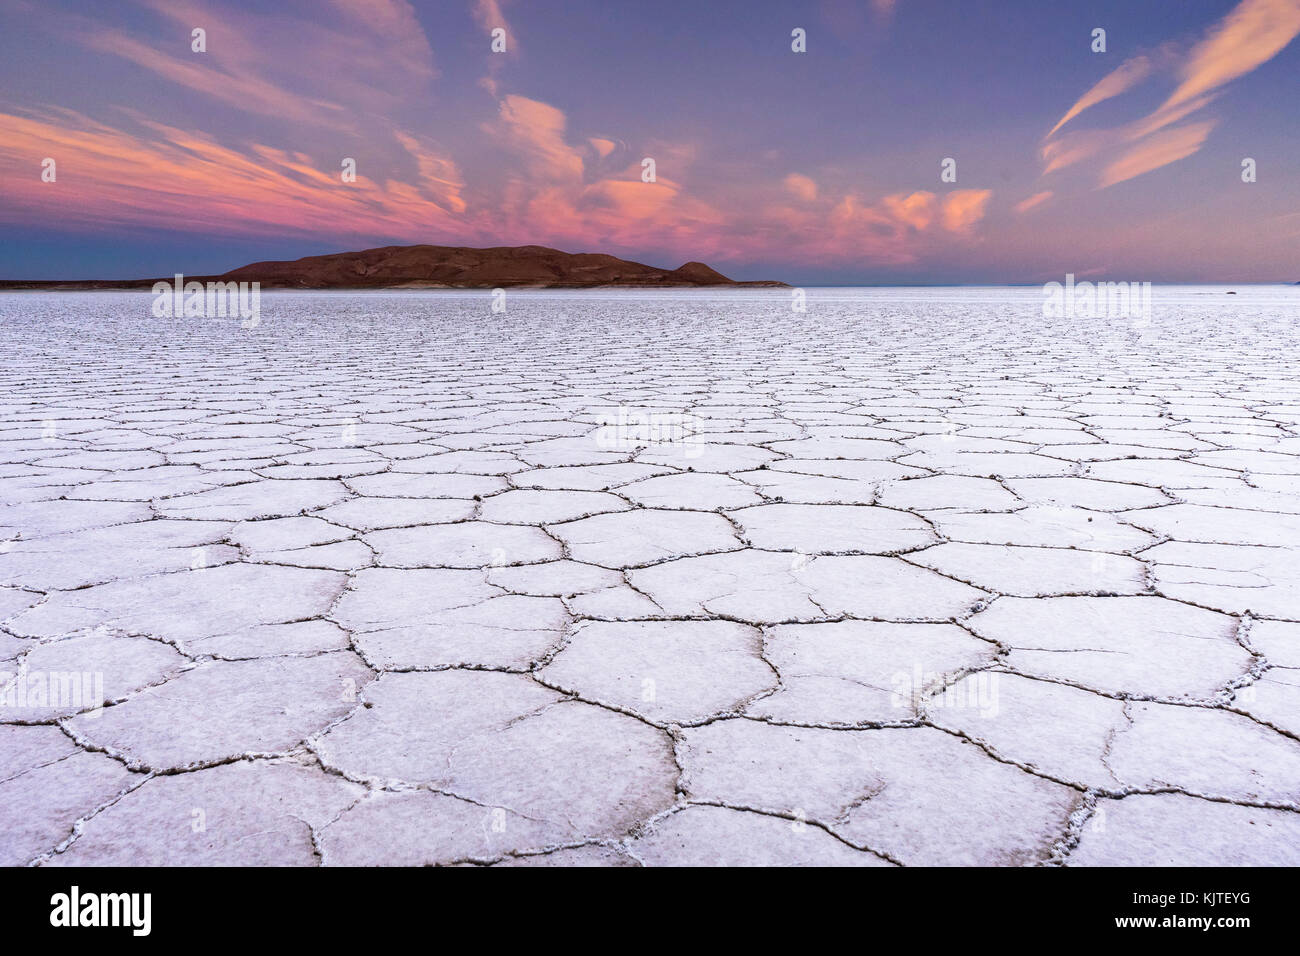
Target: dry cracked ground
pixel 909 578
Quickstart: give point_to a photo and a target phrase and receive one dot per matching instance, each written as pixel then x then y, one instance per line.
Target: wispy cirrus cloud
pixel 365 55
pixel 1120 80
pixel 1032 202
pixel 1252 33
pixel 162 176
pixel 231 86
pixel 1076 146
pixel 1160 149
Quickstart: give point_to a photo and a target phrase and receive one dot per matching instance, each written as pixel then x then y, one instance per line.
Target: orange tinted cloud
pixel 916 210
pixel 1165 116
pixel 1155 151
pixel 1074 147
pixel 172 178
pixel 897 229
pixel 617 199
pixel 962 208
pixel 1253 33
pixel 550 196
pixel 1124 77
pixel 1037 199
pixel 802 186
pixel 536 131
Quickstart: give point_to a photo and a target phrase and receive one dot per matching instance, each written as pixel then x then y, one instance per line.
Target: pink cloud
pixel 1251 34
pixel 489 15
pixel 801 186
pixel 241 90
pixel 189 182
pixel 362 53
pixel 535 131
pixel 963 208
pixel 1124 77
pixel 1030 202
pixel 916 210
pixel 1155 151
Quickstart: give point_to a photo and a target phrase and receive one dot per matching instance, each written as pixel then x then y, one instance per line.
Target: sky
pixel 824 166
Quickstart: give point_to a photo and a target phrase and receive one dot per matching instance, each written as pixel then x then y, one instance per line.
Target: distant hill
pixel 458 267
pixel 446 267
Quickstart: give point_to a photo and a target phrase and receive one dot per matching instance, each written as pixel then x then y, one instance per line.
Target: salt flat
pixel 912 577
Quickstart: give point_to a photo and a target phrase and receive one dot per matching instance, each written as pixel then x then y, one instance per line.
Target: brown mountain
pixel 458 267
pixel 440 267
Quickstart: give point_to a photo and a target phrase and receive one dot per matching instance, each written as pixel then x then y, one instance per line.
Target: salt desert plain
pixel 913 577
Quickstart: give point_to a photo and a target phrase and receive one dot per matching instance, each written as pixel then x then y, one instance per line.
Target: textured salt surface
pixel 393 579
